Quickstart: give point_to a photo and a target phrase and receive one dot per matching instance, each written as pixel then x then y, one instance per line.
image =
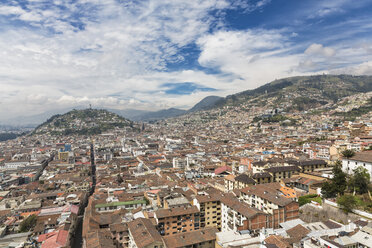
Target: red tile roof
pixel 54 239
pixel 222 169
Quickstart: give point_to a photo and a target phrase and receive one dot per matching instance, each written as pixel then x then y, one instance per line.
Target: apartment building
pixel 176 220
pixel 229 182
pixel 237 215
pixel 238 182
pixel 270 200
pixel 242 181
pixel 310 165
pixel 281 172
pixel 210 210
pixel 262 177
pixel 115 205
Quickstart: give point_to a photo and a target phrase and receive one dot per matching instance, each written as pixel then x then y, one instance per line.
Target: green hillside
pixel 82 122
pixel 302 93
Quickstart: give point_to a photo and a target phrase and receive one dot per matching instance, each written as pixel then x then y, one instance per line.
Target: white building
pixel 15 164
pixel 363 159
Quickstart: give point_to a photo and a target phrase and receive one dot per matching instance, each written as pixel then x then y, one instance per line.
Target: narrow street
pixel 78 239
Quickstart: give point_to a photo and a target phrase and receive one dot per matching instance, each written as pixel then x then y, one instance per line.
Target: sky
pixel 152 54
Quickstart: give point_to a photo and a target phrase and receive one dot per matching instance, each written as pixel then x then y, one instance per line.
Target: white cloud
pixel 262 3
pixel 121 49
pixel 11 10
pixel 307 64
pixel 115 53
pixel 320 50
pixel 360 69
pixel 254 56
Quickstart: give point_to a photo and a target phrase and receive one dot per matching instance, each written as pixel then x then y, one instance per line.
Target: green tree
pixel 28 223
pixel 339 178
pixel 348 153
pixel 360 180
pixel 119 179
pixel 347 203
pixel 337 184
pixel 328 190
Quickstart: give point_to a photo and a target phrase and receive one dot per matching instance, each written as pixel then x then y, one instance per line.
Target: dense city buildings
pixel 215 178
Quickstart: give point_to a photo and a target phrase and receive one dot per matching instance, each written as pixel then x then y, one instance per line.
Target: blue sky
pixel 152 54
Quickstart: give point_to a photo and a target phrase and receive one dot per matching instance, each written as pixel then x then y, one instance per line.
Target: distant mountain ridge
pixel 293 93
pixel 205 104
pixel 159 115
pixel 304 90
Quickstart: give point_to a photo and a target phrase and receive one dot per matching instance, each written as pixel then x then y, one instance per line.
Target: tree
pixel 347 203
pixel 339 178
pixel 28 223
pixel 360 180
pixel 119 179
pixel 348 153
pixel 337 185
pixel 328 190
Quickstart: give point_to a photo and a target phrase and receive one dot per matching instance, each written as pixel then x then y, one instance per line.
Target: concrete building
pixel 268 199
pixel 363 159
pixel 176 220
pixel 210 210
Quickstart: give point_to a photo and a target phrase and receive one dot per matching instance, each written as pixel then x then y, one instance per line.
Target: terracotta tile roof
pixel 100 239
pixel 163 213
pixel 298 232
pixel 269 191
pixel 119 227
pixel 362 156
pixel 55 239
pixel 144 232
pixel 190 238
pixel 244 178
pixel 308 162
pixel 278 241
pixel 222 169
pixel 283 168
pixel 208 198
pixel 261 175
pixel 230 177
pixel 242 208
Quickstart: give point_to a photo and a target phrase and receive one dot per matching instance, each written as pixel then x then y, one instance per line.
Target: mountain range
pixel 135 115
pixel 292 94
pixel 131 114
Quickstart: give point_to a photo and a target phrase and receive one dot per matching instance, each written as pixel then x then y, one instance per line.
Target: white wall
pixel 348 165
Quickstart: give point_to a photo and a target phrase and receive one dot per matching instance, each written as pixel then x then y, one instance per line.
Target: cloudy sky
pixel 154 54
